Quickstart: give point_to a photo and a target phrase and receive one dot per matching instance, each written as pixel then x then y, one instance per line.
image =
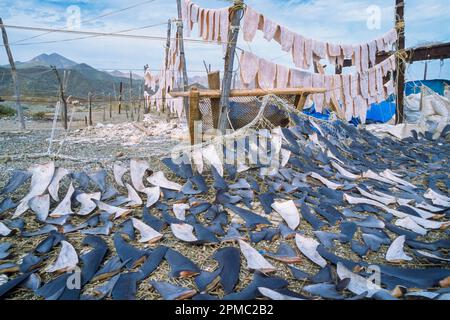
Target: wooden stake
pixel 180 40
pixel 169 31
pixel 401 66
pixel 62 97
pixel 237 12
pixel 13 75
pixel 214 84
pixel 120 96
pixel 90 108
pixel 110 106
pixel 131 103
pixel 194 112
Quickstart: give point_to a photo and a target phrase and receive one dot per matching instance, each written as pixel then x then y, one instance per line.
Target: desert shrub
pixel 38 115
pixel 6 111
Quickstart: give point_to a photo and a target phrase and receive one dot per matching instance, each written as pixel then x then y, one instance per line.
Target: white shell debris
pixel 255 261
pixel 288 211
pixel 67 259
pixel 395 252
pixel 148 234
pixel 308 247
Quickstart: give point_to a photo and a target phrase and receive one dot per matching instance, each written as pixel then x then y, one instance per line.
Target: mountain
pixel 119 74
pixel 44 59
pixel 37 79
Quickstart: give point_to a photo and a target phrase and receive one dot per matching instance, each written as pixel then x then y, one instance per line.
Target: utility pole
pixel 62 97
pixel 13 75
pixel 237 12
pixel 401 65
pixel 180 40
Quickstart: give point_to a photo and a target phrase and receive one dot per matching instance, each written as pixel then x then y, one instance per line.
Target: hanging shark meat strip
pixel 395 252
pixel 138 168
pixel 41 178
pixel 326 182
pixel 159 180
pixel 255 261
pixel 308 247
pixel 67 259
pixel 87 203
pixel 53 188
pixel 119 171
pixel 148 234
pixel 288 211
pixel 64 208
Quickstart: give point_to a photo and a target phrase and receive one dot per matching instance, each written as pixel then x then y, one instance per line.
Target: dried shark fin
pixel 180 266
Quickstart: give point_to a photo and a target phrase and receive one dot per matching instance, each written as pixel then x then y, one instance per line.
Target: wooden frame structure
pixel 195 95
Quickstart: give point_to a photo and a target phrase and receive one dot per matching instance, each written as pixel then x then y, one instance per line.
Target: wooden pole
pixel 214 84
pixel 180 40
pixel 194 112
pixel 110 106
pixel 62 97
pixel 401 65
pixel 169 31
pixel 90 108
pixel 14 76
pixel 120 96
pixel 131 103
pixel 237 12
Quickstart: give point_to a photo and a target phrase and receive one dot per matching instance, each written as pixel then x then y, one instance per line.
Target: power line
pixel 91 19
pixel 107 34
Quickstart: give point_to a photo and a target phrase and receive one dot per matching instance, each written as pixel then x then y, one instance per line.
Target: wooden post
pixel 131 103
pixel 237 12
pixel 110 106
pixel 194 112
pixel 120 96
pixel 62 97
pixel 169 31
pixel 13 75
pixel 180 40
pixel 214 84
pixel 401 65
pixel 90 108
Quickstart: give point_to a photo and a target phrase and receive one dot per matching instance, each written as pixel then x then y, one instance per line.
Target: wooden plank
pixel 214 84
pixel 237 11
pixel 438 51
pixel 252 92
pixel 194 112
pixel 13 75
pixel 401 66
pixel 182 55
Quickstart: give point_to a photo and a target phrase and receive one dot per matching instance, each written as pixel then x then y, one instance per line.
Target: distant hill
pixel 38 80
pixel 119 74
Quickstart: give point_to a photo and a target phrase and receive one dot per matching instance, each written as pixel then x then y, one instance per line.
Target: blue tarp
pixel 384 111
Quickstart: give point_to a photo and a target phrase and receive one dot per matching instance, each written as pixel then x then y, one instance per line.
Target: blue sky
pixel 337 21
